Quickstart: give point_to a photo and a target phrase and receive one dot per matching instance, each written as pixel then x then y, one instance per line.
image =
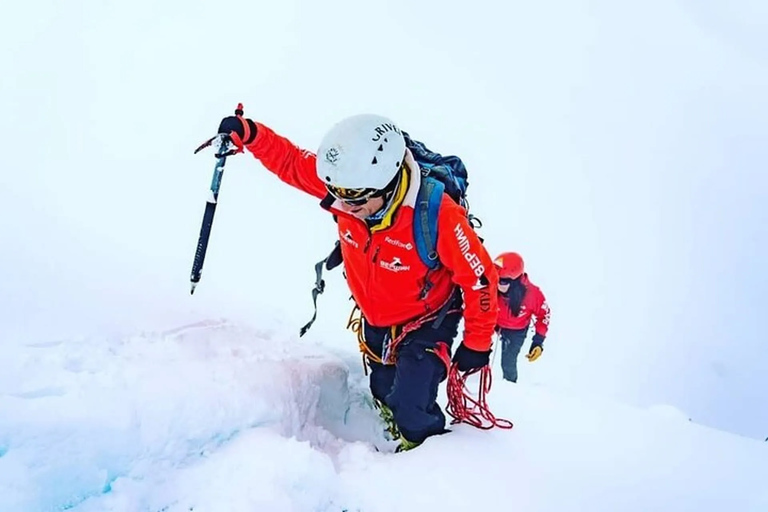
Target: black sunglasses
pixel 360 196
pixel 353 196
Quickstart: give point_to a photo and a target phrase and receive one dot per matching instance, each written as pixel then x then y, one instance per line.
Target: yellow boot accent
pixel 406 445
pixel 389 419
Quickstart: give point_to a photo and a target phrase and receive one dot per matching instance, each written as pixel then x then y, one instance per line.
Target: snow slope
pixel 224 416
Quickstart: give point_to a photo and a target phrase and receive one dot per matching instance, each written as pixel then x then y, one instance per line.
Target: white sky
pixel 620 147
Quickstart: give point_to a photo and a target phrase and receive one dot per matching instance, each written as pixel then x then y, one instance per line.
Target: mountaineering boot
pixel 386 414
pixel 406 445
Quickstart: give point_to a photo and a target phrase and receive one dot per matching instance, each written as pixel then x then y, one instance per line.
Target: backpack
pixel 438 174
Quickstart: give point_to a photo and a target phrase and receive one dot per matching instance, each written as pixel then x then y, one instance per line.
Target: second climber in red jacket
pixel 519 301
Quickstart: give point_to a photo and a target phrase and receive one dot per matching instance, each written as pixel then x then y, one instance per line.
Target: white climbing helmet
pixel 362 151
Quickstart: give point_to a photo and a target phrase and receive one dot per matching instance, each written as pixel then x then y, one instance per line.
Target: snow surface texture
pixel 217 416
pixel 633 151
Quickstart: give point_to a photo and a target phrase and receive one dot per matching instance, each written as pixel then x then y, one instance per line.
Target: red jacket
pixel 383 269
pixel 534 304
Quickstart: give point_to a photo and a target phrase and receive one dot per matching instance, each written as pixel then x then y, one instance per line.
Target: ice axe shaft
pixel 210 211
pixel 224 146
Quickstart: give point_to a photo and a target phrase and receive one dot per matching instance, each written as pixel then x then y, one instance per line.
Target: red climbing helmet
pixel 510 265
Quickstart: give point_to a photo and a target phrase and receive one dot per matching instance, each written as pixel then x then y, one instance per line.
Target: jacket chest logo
pixel 408 246
pixel 347 237
pixel 396 265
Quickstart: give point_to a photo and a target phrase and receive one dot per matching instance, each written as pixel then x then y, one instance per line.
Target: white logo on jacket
pixel 479 285
pixel 474 261
pixel 395 265
pixel 347 237
pixel 545 308
pixel 397 243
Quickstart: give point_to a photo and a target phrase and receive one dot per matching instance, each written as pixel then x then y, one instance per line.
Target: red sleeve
pixel 542 315
pixel 293 165
pixel 462 252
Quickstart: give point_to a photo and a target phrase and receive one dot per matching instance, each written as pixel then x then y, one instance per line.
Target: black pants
pixel 409 387
pixel 511 342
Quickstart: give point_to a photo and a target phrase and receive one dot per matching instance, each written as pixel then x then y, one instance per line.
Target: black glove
pixel 467 359
pixel 241 129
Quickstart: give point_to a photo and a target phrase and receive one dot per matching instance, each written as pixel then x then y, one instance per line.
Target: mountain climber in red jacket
pixel 364 174
pixel 519 300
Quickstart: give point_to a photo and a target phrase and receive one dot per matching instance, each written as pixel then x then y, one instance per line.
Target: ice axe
pixel 224 148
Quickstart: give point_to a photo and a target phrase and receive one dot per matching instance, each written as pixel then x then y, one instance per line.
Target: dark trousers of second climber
pixel 409 387
pixel 511 342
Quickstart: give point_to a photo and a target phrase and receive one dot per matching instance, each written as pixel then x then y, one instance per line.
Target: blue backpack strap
pixel 425 220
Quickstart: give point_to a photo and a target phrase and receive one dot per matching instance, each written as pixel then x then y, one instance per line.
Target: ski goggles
pixel 353 196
